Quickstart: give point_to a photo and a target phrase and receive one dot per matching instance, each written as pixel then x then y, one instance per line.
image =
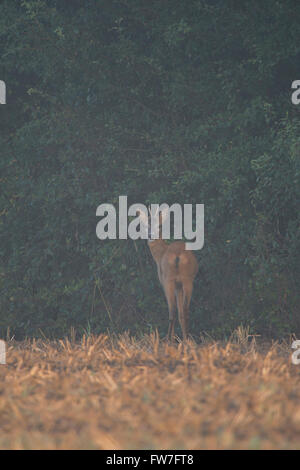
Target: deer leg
pixel 171 328
pixel 170 295
pixel 180 308
pixel 187 295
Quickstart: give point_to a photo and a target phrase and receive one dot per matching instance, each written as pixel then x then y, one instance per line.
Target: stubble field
pixel 110 392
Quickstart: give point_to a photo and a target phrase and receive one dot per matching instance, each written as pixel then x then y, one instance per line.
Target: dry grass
pixel 120 393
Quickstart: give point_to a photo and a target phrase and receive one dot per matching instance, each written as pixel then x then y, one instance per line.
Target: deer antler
pixel 155 213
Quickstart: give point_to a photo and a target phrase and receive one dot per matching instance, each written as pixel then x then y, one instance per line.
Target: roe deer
pixel 177 268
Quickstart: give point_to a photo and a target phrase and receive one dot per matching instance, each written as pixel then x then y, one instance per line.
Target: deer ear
pixel 143 215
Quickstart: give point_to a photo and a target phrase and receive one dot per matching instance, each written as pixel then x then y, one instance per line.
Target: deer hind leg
pixel 180 308
pixel 187 288
pixel 170 295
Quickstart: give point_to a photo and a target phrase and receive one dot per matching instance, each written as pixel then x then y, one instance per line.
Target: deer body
pixel 177 268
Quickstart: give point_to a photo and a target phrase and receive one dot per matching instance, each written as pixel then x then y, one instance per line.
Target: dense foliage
pixel 165 101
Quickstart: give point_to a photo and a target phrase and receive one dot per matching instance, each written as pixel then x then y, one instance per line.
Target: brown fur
pixel 177 268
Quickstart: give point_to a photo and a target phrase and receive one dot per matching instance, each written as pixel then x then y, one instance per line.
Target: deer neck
pixel 157 248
